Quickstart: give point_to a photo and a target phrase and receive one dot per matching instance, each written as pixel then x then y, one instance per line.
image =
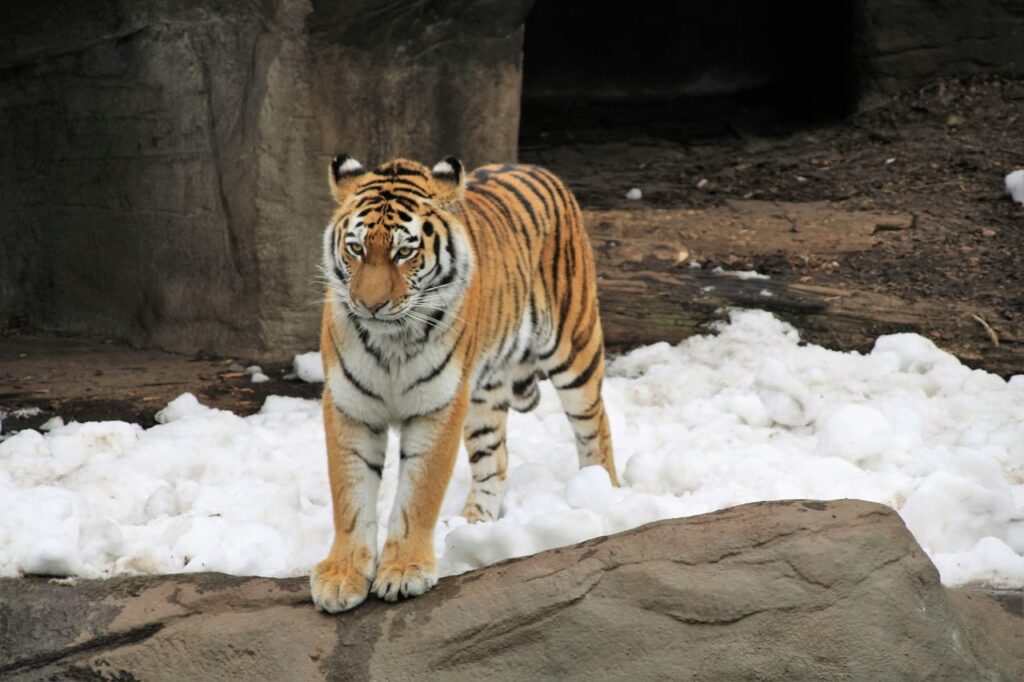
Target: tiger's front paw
pixel 337 586
pixel 406 579
pixel 481 509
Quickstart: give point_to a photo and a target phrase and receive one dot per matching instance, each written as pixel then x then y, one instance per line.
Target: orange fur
pixel 448 299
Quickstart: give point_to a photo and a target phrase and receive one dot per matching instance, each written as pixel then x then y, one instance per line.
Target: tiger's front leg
pixel 430 443
pixel 355 460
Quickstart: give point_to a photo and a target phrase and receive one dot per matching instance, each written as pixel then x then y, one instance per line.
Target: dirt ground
pixel 938 154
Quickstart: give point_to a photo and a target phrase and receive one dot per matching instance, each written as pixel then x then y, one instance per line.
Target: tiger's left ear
pixel 343 175
pixel 448 181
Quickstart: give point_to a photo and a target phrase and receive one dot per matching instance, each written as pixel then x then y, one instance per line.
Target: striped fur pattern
pixel 448 298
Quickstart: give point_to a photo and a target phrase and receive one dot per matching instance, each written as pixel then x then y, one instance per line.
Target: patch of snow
pixel 1015 186
pixel 745 415
pixel 635 194
pixel 309 367
pixel 52 423
pixel 739 274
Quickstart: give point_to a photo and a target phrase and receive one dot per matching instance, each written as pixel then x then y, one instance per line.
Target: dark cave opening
pixel 686 71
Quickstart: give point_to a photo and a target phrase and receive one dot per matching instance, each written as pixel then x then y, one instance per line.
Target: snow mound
pixel 309 367
pixel 744 415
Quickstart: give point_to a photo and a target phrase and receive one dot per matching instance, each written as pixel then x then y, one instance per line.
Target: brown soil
pixel 938 154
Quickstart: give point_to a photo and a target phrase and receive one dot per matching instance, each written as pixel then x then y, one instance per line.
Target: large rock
pixel 787 590
pixel 164 163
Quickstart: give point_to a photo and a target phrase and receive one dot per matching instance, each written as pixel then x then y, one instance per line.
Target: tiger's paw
pixel 396 579
pixel 478 512
pixel 337 586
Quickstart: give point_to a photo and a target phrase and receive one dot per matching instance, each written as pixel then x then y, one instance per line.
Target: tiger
pixel 448 297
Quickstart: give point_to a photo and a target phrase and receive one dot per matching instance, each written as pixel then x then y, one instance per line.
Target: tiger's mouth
pixel 384 317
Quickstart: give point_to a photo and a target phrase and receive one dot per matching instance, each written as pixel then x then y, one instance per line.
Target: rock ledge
pixel 782 590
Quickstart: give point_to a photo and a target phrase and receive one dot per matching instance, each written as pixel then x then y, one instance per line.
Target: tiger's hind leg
pixel 577 377
pixel 484 435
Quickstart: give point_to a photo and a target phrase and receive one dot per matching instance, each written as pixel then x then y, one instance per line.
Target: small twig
pixel 992 335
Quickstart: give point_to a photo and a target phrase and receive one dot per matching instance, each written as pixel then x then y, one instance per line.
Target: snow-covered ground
pixel 744 415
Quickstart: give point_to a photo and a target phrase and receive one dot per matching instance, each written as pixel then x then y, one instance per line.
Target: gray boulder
pixel 785 590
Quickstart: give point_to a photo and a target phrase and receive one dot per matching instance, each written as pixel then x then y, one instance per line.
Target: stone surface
pixel 785 590
pixel 164 162
pixel 908 42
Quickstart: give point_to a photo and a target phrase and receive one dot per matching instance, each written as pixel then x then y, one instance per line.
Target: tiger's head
pixel 395 252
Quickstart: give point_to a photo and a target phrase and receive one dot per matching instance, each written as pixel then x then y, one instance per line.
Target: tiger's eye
pixel 403 252
pixel 355 249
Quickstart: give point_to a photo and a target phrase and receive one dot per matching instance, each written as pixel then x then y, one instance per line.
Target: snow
pixel 256 373
pixel 308 367
pixel 635 194
pixel 1015 186
pixel 739 274
pixel 744 415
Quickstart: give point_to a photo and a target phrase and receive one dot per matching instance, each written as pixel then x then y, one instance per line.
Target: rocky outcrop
pixel 164 172
pixel 904 43
pixel 786 590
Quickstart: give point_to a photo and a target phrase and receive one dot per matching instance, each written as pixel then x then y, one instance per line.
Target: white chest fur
pixel 375 387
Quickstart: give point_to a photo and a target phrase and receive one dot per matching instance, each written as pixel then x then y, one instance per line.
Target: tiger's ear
pixel 343 175
pixel 448 179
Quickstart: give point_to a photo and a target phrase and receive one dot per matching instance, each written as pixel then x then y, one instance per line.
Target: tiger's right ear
pixel 343 175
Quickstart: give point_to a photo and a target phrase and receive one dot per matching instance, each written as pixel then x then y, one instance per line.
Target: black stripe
pixel 364 339
pixel 528 178
pixel 406 186
pixel 485 478
pixel 483 452
pixel 359 387
pixel 440 368
pixel 406 203
pixel 522 199
pixel 563 313
pixel 503 207
pixel 585 375
pixel 419 415
pixel 482 431
pixel 518 387
pixel 375 468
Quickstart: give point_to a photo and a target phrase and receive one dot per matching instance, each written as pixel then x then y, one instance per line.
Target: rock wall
pixel 908 42
pixel 800 590
pixel 164 162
